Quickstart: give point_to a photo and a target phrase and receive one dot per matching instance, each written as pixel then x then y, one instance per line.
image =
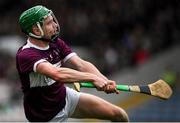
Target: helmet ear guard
pixel 36 16
pixel 36 36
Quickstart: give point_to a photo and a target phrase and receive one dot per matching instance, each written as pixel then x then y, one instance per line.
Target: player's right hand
pixel 100 83
pixel 111 87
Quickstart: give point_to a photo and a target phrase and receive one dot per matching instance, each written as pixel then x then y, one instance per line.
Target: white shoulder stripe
pixel 36 63
pixel 69 56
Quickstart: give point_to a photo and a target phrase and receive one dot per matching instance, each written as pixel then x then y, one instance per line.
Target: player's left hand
pixel 111 87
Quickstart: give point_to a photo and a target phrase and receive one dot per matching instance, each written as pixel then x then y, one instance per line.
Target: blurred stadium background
pixel 130 41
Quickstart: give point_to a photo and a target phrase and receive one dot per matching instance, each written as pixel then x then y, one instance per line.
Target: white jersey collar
pixel 29 44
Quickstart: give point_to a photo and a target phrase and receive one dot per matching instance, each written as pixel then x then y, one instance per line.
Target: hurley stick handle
pixel 118 87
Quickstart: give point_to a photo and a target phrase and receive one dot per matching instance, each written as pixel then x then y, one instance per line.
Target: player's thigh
pixel 90 106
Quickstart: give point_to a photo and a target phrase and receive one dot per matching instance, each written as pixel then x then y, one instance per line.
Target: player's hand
pixel 111 87
pixel 100 83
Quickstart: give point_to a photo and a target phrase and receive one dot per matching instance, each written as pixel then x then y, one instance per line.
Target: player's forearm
pixel 89 67
pixel 67 75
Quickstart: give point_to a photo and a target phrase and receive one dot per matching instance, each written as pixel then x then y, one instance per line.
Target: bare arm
pixel 68 75
pixel 81 65
pixel 84 66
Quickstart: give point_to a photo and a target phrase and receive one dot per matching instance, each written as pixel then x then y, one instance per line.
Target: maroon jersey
pixel 43 97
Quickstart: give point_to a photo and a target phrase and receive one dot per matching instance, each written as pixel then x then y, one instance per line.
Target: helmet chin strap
pixel 53 38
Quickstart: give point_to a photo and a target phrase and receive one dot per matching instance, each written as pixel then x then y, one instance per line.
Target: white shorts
pixel 72 99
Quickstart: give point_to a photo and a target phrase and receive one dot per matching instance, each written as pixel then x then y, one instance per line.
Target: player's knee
pixel 120 115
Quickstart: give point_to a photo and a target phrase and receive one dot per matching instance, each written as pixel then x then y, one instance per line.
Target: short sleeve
pixel 27 59
pixel 64 48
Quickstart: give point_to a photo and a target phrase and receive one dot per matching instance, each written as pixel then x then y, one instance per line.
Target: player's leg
pixel 90 106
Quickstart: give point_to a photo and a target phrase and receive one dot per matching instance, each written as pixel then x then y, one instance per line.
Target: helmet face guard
pixel 36 16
